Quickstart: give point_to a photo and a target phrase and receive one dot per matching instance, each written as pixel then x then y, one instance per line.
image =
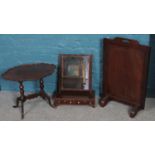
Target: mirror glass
pixel 75 73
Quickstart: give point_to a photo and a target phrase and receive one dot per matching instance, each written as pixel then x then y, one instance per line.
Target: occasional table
pixel 29 72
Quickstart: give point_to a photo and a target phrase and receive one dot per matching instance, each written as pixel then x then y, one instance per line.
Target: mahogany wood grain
pixel 73 96
pixel 125 73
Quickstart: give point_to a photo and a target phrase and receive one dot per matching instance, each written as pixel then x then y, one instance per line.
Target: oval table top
pixel 29 72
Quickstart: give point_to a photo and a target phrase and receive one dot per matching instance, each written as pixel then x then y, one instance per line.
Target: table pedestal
pixel 23 98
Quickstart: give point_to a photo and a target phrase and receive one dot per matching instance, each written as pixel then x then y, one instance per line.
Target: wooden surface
pixel 125 73
pixel 74 96
pixel 72 99
pixel 29 72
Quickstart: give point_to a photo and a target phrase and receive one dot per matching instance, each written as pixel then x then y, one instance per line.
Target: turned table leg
pixel 43 94
pixel 22 98
pixel 17 102
pixel 42 88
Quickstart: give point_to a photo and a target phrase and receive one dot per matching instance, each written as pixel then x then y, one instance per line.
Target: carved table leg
pixel 17 102
pixel 104 101
pixel 43 94
pixel 21 98
pixel 42 88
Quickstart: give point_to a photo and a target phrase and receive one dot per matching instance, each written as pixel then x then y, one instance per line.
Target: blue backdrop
pixel 31 48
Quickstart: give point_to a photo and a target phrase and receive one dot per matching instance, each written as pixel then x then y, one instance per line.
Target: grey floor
pixel 39 110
